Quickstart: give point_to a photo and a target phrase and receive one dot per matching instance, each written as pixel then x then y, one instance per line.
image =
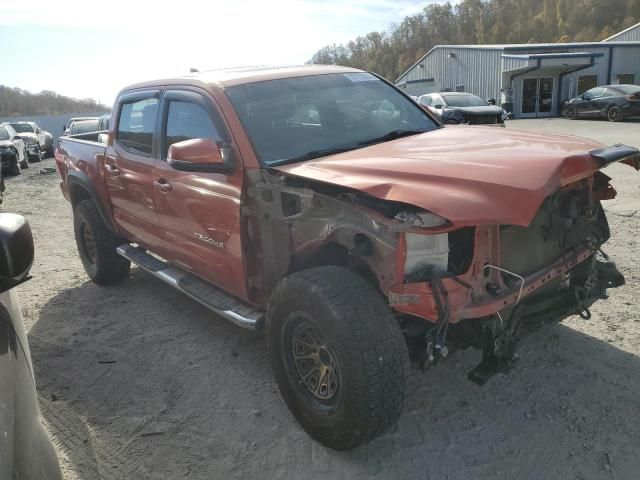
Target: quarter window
pixel 137 125
pixel 187 121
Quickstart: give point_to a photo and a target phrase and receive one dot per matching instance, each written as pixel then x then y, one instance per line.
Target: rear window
pixel 137 125
pixel 84 126
pixel 628 89
pixel 4 135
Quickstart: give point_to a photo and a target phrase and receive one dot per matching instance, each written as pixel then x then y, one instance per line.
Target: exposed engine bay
pixel 450 287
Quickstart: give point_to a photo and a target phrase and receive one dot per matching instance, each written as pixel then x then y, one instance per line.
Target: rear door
pixel 200 212
pixel 128 167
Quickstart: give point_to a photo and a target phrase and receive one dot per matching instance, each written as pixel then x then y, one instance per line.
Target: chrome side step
pixel 220 302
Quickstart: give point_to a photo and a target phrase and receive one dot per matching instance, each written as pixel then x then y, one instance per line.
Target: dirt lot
pixel 137 381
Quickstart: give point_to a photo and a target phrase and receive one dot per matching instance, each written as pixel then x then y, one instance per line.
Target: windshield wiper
pixel 392 135
pixel 314 154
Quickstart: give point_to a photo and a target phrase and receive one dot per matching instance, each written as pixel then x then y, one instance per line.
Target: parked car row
pixel 13 151
pixel 613 102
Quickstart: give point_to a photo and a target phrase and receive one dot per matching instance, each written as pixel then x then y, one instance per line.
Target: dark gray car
pixel 461 108
pixel 613 102
pixel 26 452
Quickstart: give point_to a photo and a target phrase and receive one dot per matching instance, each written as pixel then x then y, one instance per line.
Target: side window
pixel 137 125
pixel 186 121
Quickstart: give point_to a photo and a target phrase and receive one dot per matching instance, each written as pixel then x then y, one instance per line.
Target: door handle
pixel 162 185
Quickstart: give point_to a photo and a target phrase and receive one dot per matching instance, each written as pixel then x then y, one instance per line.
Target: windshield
pixel 4 135
pixel 464 101
pixel 22 127
pixel 295 119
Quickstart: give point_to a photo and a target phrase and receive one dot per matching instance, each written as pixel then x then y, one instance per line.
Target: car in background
pixel 45 139
pixel 26 451
pixel 13 153
pixel 89 124
pixel 613 102
pixel 28 135
pixel 455 108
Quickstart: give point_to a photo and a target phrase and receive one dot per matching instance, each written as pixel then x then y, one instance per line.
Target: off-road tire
pixel 570 112
pixel 614 114
pixel 101 262
pixel 367 342
pixel 15 168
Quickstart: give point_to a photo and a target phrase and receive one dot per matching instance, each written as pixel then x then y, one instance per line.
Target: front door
pixel 538 96
pixel 128 169
pixel 200 211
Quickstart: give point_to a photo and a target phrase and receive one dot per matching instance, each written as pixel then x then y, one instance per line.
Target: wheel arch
pixel 81 188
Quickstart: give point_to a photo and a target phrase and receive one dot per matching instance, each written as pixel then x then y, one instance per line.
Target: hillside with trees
pixel 15 101
pixel 480 22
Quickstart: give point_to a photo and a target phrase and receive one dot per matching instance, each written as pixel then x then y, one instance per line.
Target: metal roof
pixel 623 32
pixel 522 46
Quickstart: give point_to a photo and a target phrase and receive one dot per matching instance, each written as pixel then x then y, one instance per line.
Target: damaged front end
pixel 451 286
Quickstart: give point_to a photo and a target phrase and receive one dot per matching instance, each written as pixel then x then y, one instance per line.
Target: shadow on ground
pixel 137 381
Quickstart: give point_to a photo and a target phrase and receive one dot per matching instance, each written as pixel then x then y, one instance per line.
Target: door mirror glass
pixel 196 155
pixel 438 107
pixel 16 250
pixel 491 101
pixel 16 137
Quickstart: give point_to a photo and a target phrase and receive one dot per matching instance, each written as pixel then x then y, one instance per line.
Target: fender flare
pixel 79 179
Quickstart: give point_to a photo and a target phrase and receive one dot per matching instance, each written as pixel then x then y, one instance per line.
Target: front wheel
pixel 97 245
pixel 570 112
pixel 338 355
pixel 14 169
pixel 614 114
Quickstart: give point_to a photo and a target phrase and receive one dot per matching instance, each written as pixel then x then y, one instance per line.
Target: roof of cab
pixel 228 77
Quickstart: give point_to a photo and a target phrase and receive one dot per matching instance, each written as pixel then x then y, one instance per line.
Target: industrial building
pixel 529 80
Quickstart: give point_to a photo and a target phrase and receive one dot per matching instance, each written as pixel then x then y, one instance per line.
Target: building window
pixel 587 82
pixel 626 78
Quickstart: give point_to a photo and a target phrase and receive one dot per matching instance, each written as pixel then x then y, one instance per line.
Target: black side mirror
pixel 491 101
pixel 16 250
pixel 438 107
pixel 16 137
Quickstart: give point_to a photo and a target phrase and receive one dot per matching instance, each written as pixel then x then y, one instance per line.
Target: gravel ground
pixel 137 381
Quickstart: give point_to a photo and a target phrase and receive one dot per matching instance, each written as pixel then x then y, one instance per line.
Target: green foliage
pixel 480 22
pixel 15 101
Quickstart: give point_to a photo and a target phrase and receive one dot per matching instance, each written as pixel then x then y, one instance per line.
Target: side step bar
pixel 220 302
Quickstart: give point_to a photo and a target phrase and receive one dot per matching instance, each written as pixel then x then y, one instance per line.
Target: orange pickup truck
pixel 324 207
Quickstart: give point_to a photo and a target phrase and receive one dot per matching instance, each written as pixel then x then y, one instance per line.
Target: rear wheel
pixel 97 245
pixel 614 114
pixel 338 355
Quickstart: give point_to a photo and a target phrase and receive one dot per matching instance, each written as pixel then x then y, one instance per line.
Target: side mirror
pixel 491 101
pixel 438 107
pixel 16 137
pixel 198 155
pixel 38 130
pixel 16 250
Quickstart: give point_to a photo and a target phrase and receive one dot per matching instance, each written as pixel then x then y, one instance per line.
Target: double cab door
pixel 192 219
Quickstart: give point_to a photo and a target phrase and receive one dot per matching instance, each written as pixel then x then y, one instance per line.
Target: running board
pixel 213 298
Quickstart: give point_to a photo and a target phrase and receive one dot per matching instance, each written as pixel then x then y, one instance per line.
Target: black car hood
pixel 481 110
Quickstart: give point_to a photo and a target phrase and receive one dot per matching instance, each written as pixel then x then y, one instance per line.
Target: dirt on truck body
pixel 324 207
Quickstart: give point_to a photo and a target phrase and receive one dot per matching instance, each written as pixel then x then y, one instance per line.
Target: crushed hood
pixel 468 175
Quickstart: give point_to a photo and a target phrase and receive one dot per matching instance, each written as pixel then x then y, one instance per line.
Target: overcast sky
pixel 85 49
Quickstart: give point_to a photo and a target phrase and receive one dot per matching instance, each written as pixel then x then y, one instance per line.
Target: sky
pixel 89 49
